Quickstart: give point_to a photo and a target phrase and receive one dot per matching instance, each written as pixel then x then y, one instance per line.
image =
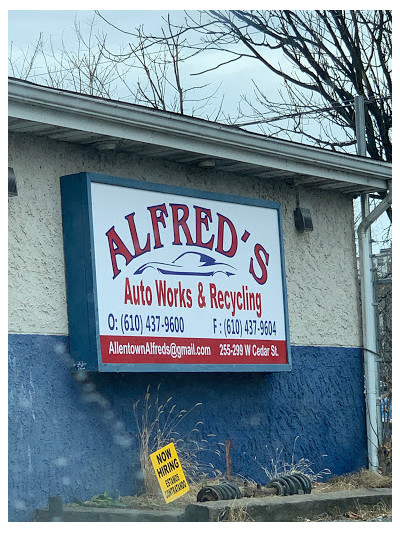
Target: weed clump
pixel 278 465
pixel 159 423
pixel 364 479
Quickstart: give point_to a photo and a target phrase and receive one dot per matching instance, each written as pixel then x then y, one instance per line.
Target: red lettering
pixel 155 220
pixel 213 294
pixel 225 238
pixel 220 297
pixel 173 297
pixel 128 293
pixel 222 222
pixel 117 247
pixel 189 298
pixel 161 290
pixel 180 223
pixel 135 238
pixel 258 250
pixel 200 220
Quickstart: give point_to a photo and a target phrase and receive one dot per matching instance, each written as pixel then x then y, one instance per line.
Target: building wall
pixel 79 438
pixel 320 265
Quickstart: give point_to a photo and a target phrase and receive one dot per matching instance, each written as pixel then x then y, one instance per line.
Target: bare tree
pixel 159 62
pixel 81 65
pixel 87 64
pixel 22 64
pixel 383 299
pixel 324 59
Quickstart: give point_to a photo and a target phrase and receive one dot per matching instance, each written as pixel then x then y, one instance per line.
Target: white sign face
pixel 187 280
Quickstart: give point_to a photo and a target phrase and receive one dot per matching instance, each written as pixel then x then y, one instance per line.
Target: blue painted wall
pixel 78 439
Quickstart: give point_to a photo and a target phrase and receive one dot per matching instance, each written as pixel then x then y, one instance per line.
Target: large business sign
pixel 161 278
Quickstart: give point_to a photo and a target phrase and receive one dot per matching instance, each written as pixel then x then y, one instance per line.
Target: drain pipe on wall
pixel 371 374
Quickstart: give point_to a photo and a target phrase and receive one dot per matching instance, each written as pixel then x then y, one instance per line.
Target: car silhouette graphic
pixel 190 264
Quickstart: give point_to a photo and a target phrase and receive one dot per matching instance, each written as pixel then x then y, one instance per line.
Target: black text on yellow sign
pixel 169 472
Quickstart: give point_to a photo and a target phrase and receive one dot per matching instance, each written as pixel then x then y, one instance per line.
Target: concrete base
pixel 265 509
pixel 92 514
pixel 288 508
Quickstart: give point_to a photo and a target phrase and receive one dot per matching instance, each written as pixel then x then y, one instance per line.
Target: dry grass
pixel 278 466
pixel 365 479
pixel 158 425
pixel 362 513
pixel 156 501
pixel 237 512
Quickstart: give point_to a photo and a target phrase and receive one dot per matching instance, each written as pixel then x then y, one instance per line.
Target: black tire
pixel 292 486
pixel 307 482
pixel 282 483
pixel 229 490
pixel 278 486
pixel 207 494
pixel 235 489
pixel 224 491
pixel 298 484
pixel 302 482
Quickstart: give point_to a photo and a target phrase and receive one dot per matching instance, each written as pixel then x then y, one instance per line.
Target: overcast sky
pixel 25 25
pixel 233 80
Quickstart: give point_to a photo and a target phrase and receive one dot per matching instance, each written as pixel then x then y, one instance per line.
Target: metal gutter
pixel 370 345
pixel 131 122
pixel 371 373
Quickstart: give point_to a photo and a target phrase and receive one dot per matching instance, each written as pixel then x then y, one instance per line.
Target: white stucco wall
pixel 320 265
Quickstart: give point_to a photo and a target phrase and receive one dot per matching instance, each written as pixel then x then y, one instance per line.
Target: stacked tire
pixel 223 491
pixel 291 484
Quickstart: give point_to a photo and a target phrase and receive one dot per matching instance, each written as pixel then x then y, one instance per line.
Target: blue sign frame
pixel 81 275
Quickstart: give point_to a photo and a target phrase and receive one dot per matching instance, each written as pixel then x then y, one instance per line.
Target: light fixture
pixel 105 145
pixel 207 163
pixel 302 216
pixel 12 183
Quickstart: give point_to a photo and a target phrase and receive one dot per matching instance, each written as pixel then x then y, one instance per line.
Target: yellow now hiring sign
pixel 169 472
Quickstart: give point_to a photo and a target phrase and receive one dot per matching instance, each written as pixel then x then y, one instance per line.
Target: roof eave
pixel 126 121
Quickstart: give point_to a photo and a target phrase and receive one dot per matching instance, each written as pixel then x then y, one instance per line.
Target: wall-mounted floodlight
pixel 106 145
pixel 12 183
pixel 207 163
pixel 302 216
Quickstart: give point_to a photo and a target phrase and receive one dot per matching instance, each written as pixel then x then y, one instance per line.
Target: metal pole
pixel 360 125
pixel 367 299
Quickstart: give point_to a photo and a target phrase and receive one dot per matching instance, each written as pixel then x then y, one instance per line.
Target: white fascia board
pixel 136 123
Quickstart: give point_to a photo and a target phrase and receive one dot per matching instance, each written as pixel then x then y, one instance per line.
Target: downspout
pixel 369 332
pixel 370 346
